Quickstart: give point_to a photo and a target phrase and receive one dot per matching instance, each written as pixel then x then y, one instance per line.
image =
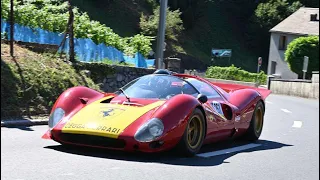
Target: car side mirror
pixel 202 98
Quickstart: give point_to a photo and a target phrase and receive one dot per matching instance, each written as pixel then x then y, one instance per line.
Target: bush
pixel 235 73
pixel 300 47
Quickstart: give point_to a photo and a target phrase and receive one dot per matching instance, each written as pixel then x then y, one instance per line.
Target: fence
pixel 86 50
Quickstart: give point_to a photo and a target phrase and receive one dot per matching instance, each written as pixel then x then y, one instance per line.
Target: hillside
pixel 213 29
pixel 31 82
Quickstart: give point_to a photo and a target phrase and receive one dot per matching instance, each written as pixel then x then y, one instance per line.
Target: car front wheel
pixel 194 134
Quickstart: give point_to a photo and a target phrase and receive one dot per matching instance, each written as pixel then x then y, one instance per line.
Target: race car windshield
pixel 158 86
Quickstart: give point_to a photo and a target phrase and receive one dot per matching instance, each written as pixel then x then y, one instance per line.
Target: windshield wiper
pixel 125 94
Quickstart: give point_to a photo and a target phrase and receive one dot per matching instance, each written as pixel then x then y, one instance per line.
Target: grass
pixel 31 82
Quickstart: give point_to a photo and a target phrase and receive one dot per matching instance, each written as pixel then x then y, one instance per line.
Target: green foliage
pixel 300 47
pixel 139 42
pixel 273 12
pixel 174 24
pixel 53 16
pixel 235 73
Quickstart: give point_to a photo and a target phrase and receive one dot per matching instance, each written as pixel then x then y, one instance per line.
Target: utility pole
pixel 11 27
pixel 161 34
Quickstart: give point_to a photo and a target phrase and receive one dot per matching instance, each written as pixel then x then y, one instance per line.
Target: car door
pixel 219 126
pixel 224 125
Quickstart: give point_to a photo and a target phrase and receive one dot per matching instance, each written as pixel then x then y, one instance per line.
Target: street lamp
pixel 161 34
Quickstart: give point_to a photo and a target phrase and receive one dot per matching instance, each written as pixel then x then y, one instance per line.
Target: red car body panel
pixel 237 102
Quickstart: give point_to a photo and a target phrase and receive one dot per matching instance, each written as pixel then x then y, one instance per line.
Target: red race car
pixel 158 112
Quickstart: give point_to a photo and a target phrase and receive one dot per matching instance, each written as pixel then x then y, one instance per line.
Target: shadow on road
pixel 170 157
pixel 24 128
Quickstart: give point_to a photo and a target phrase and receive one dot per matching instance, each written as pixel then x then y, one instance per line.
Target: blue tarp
pixel 86 50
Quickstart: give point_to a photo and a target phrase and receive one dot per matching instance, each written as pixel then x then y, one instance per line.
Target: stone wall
pixel 122 76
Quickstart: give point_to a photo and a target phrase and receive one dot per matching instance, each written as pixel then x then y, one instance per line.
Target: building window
pixel 273 67
pixel 283 43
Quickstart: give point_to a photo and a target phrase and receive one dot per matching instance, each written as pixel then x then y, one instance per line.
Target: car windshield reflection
pixel 158 87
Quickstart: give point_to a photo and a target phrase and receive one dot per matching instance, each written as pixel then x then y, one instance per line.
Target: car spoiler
pixel 233 87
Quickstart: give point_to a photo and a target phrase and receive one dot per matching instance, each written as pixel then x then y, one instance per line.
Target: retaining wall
pixel 300 88
pixel 122 76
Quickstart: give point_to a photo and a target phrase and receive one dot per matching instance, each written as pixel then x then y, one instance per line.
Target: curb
pixel 10 123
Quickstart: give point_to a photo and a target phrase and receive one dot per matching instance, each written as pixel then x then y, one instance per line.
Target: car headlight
pixel 55 117
pixel 149 131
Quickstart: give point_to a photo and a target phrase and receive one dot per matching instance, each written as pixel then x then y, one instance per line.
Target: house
pixel 303 22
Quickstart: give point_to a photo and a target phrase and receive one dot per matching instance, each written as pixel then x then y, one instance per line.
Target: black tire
pixel 183 147
pixel 255 129
pixel 66 145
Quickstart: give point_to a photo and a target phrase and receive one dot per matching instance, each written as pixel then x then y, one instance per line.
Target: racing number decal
pixel 217 107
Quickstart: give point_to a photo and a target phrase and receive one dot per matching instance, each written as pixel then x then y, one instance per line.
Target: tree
pixel 273 12
pixel 300 47
pixel 71 35
pixel 11 27
pixel 174 24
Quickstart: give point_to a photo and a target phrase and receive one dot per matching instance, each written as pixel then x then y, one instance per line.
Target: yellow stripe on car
pixel 104 119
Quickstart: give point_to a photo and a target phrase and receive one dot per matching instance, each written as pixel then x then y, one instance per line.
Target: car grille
pixel 92 140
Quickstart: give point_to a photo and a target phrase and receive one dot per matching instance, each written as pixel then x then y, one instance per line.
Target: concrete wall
pixel 315 77
pixel 277 56
pixel 300 88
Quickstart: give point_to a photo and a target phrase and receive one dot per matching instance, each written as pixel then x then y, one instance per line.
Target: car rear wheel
pixel 194 134
pixel 256 124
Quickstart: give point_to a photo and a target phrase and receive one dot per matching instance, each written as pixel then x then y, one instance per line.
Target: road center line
pixel 268 102
pixel 227 151
pixel 297 124
pixel 286 110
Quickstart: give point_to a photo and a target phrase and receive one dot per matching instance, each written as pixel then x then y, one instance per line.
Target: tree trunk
pixel 11 27
pixel 71 42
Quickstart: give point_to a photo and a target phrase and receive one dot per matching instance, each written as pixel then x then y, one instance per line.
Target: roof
pixel 299 23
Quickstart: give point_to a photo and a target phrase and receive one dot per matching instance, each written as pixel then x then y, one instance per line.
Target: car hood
pixel 105 119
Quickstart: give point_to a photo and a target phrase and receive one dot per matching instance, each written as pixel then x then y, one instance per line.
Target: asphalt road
pixel 288 149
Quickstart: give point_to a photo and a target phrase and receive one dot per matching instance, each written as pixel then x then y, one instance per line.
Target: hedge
pixel 300 47
pixel 235 73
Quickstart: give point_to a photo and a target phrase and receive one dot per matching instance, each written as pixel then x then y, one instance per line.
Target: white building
pixel 303 22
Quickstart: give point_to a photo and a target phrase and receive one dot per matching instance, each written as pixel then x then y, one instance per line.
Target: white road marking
pixel 268 102
pixel 67 174
pixel 286 110
pixel 227 151
pixel 297 124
